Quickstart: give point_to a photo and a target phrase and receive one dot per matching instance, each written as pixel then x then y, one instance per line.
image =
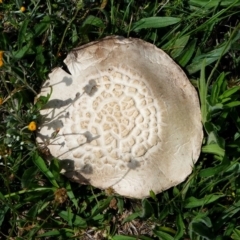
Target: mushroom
pixel 125 118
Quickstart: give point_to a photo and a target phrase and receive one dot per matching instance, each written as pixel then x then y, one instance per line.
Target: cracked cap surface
pixel 127 118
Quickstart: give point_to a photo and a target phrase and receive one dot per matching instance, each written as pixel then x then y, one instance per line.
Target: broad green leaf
pixel 187 53
pixel 193 202
pixel 213 149
pixel 22 33
pixel 180 227
pixel 131 217
pixel 39 162
pixel 22 51
pixel 76 220
pixel 163 235
pixel 50 233
pixel 42 27
pixel 147 209
pixel 94 21
pixel 178 46
pixel 154 22
pixel 213 138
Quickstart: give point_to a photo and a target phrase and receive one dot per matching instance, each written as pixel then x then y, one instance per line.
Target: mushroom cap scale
pixel 128 116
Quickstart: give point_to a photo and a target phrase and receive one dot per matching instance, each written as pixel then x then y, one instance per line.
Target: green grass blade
pixel 71 194
pixel 61 232
pixel 213 171
pixel 39 162
pixel 163 235
pixel 3 212
pixel 229 92
pixel 178 46
pixel 202 85
pixel 187 53
pixel 217 88
pixel 76 220
pixel 42 27
pixel 209 58
pixel 22 33
pixel 154 22
pixel 123 237
pixel 193 202
pixel 180 227
pixel 227 214
pixel 212 3
pixel 232 104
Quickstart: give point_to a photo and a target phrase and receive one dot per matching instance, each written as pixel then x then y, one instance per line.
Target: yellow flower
pixel 1 52
pixel 1 62
pixel 32 126
pixel 1 1
pixel 22 9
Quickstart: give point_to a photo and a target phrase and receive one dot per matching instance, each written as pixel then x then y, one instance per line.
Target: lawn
pixel 37 202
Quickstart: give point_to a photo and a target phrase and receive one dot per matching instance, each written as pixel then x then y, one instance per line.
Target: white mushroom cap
pixel 128 116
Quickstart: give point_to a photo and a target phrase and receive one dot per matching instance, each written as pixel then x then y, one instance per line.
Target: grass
pixel 36 202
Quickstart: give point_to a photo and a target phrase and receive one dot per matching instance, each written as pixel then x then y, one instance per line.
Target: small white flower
pixel 21 148
pixel 9 145
pixel 21 143
pixel 8 135
pixel 18 138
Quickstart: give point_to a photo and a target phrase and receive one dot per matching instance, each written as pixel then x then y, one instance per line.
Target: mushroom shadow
pixel 69 171
pixel 91 88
